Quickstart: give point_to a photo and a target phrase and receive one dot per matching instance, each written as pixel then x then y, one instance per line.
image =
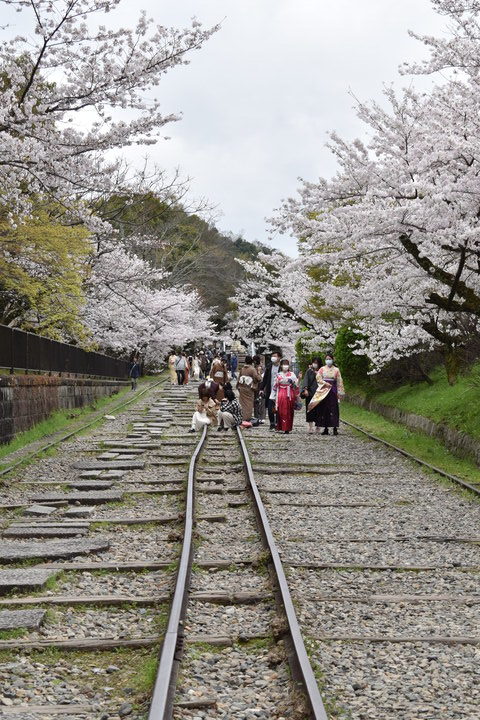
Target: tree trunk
pixel 453 363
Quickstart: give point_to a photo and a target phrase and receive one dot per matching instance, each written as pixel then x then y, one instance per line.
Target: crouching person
pixel 230 414
pixel 206 411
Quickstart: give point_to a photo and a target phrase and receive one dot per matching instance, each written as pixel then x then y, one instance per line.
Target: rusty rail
pixel 161 707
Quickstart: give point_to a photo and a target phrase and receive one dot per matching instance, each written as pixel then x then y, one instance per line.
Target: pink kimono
pixel 286 392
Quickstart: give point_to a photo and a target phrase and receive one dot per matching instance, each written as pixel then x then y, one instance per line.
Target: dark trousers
pixel 181 376
pixel 271 412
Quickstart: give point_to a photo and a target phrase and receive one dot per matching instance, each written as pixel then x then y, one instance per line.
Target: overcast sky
pixel 261 95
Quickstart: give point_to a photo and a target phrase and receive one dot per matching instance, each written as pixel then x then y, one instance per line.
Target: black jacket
pixel 310 382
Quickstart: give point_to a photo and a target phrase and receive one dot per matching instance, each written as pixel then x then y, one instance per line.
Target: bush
pixel 354 368
pixel 305 357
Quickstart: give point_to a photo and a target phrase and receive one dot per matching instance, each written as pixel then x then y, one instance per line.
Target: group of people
pixel 183 367
pixel 274 389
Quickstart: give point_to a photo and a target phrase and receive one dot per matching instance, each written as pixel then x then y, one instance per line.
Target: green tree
pixel 43 265
pixel 354 368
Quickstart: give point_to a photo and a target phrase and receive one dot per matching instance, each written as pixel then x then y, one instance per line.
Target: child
pixel 206 411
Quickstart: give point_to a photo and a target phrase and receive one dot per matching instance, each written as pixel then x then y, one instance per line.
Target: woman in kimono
pixel 247 383
pixel 309 388
pixel 206 411
pixel 196 368
pixel 325 401
pixel 219 374
pixel 172 361
pixel 285 393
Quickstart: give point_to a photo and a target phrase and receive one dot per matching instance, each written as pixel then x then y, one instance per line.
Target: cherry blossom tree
pixel 272 304
pixel 131 305
pixel 76 93
pixel 396 231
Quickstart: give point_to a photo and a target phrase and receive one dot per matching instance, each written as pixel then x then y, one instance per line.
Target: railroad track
pixel 222 466
pixel 131 563
pixel 96 531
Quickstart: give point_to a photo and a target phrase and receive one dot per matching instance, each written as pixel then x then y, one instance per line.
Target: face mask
pixel 285 368
pixel 315 366
pixel 274 359
pixel 329 362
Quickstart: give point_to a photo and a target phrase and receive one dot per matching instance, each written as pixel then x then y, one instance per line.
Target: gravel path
pixel 347 501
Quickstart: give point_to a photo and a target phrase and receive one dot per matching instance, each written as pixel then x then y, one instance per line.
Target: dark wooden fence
pixel 25 351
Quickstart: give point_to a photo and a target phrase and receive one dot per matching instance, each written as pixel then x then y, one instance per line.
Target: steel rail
pixel 61 439
pixel 439 471
pixel 299 661
pixel 161 707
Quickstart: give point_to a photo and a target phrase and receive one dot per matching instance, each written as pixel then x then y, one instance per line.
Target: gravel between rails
pixel 415 520
pixel 249 680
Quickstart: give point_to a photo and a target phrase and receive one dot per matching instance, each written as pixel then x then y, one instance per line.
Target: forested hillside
pixel 189 248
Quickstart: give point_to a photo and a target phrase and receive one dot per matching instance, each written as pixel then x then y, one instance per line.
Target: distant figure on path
pixel 286 392
pixel 309 387
pixel 180 367
pixel 247 383
pixel 267 384
pixel 195 368
pixel 219 374
pixel 203 362
pixel 172 361
pixel 233 365
pixel 135 371
pixel 330 388
pixel 259 399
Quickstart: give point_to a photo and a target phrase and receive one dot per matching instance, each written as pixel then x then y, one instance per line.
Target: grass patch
pixel 453 405
pixel 423 446
pixel 13 634
pixel 131 682
pixel 66 420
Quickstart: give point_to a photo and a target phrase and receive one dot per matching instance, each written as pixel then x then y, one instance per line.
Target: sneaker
pixel 325 432
pixel 272 427
pixel 191 430
pixel 220 428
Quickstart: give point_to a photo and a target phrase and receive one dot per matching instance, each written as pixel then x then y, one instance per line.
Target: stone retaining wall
pixel 27 399
pixel 459 443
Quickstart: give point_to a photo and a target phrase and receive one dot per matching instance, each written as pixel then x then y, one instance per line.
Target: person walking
pixel 247 383
pixel 206 411
pixel 196 368
pixel 259 399
pixel 286 392
pixel 135 372
pixel 188 369
pixel 219 374
pixel 203 362
pixel 325 400
pixel 309 387
pixel 180 367
pixel 172 361
pixel 234 365
pixel 230 414
pixel 266 387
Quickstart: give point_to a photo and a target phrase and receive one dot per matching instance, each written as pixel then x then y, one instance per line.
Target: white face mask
pixel 274 359
pixel 315 366
pixel 285 368
pixel 329 362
